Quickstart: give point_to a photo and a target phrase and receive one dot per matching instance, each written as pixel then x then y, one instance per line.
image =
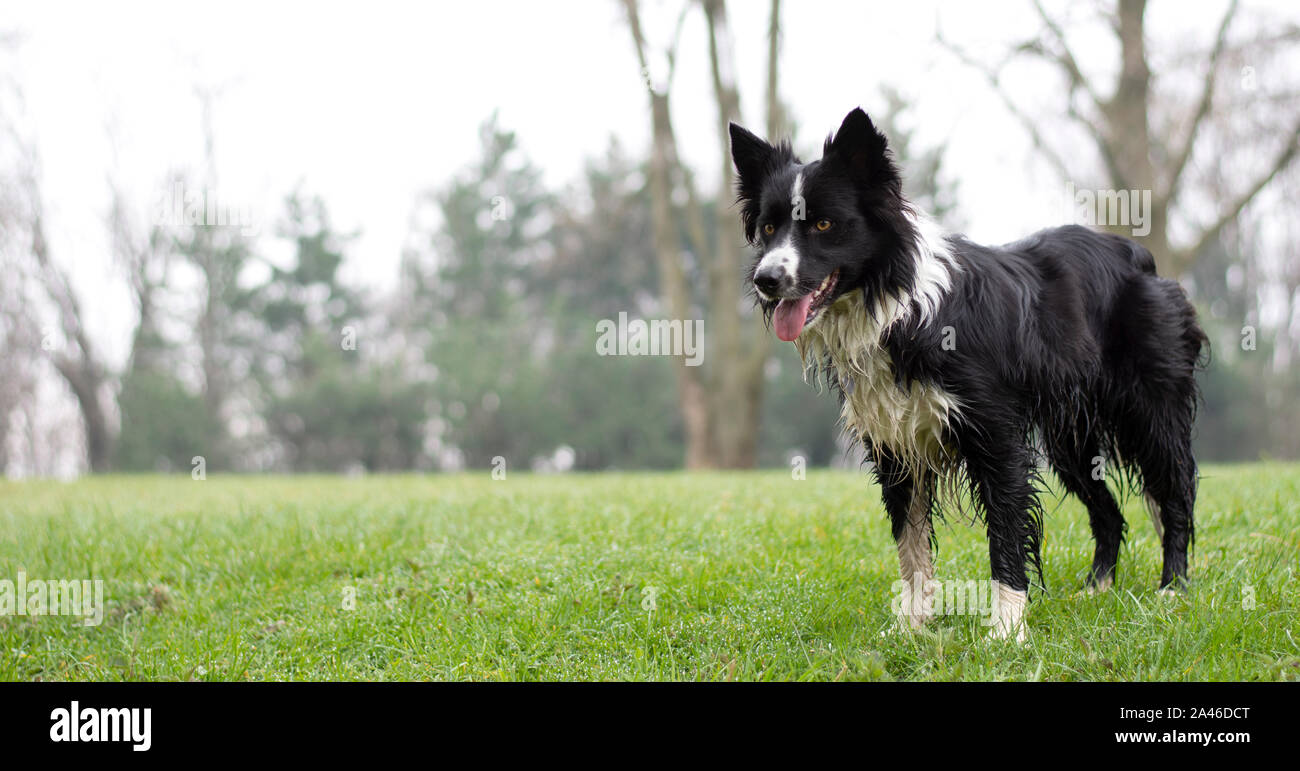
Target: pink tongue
pixel 790 316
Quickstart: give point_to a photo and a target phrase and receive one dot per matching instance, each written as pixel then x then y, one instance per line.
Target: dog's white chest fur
pixel 911 422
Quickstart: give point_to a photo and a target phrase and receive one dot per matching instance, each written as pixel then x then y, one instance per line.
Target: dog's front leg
pixel 1003 475
pixel 908 501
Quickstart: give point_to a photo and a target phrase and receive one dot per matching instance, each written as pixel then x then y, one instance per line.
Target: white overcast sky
pixel 368 104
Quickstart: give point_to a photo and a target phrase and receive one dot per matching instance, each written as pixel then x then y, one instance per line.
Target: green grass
pixel 754 576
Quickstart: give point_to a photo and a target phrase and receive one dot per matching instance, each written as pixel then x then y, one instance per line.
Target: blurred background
pixel 373 237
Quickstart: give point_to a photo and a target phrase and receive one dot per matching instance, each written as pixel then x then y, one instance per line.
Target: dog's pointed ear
pixel 863 149
pixel 752 155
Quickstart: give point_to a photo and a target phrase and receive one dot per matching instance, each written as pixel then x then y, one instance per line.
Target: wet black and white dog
pixel 957 360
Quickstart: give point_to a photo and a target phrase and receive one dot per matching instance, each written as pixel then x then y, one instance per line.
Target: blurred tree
pixel 465 303
pixel 68 343
pixel 163 422
pixel 326 404
pixel 20 349
pixel 531 382
pixel 304 307
pixel 613 411
pixel 219 254
pixel 488 228
pixel 698 251
pixel 1249 285
pixel 344 418
pixel 1143 141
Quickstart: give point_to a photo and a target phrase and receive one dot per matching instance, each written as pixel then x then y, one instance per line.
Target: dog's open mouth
pixel 791 316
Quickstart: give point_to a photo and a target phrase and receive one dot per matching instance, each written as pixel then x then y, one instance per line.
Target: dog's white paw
pixel 1009 613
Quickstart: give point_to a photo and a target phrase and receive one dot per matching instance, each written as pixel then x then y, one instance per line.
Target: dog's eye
pixel 769 229
pixel 823 225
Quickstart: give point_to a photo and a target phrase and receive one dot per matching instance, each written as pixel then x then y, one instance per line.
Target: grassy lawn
pixel 746 576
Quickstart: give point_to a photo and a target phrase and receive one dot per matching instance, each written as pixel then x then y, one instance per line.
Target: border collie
pixel 958 361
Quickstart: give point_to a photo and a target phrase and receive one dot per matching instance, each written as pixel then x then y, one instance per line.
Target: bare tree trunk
pixel 76 360
pixel 86 386
pixel 692 395
pixel 1126 140
pixel 720 401
pixel 737 376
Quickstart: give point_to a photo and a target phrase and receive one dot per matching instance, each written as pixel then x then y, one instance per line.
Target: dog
pixel 959 366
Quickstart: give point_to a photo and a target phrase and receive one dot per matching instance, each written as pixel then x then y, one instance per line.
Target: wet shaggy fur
pixel 956 360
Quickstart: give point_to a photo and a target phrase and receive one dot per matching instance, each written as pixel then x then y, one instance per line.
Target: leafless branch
pixel 1228 215
pixel 993 76
pixel 1065 58
pixel 1202 107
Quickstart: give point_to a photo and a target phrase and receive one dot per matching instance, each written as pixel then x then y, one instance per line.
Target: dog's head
pixel 822 229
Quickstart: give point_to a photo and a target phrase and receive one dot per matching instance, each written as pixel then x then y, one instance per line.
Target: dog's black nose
pixel 769 281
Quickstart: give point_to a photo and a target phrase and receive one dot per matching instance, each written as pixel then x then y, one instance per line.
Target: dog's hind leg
pixel 1163 453
pixel 1076 457
pixel 1156 389
pixel 908 500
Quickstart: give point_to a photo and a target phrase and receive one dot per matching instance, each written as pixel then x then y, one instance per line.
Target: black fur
pixel 1065 342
